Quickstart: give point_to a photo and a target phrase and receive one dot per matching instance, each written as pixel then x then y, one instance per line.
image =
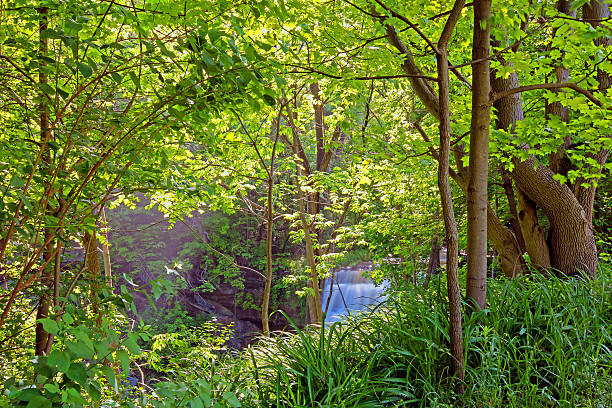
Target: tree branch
pixel 571 85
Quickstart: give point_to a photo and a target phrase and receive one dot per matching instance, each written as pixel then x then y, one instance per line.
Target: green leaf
pixel 232 399
pixel 49 325
pixel 196 403
pixel 577 4
pixel 25 200
pixel 124 359
pixel 80 349
pixel 94 392
pixel 52 388
pixel 39 402
pixel 67 318
pixel 59 359
pixel 28 394
pixel 135 79
pixel 117 77
pixel 84 69
pixel 269 100
pixel 176 113
pixel 131 344
pixel 17 181
pixel 48 89
pixel 110 377
pixel 62 93
pixel 72 26
pixel 77 373
pixel 214 35
pixel 83 336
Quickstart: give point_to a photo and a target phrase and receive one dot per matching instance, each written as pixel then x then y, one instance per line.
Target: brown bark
pixel 538 250
pixel 421 87
pixel 572 245
pixel 319 119
pixel 268 281
pixel 90 246
pixel 509 111
pixel 477 202
pixel 46 278
pixel 433 263
pixel 505 244
pixel 595 12
pixel 315 307
pixel 511 197
pixel 450 224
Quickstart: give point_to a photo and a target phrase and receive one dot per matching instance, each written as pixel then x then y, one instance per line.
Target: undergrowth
pixel 542 341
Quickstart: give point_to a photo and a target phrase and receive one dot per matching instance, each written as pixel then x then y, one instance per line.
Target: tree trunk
pixel 46 278
pixel 477 201
pixel 265 318
pixel 433 263
pixel 450 224
pixel 90 246
pixel 571 241
pixel 268 285
pixel 511 197
pixel 108 273
pixel 315 307
pixel 570 246
pixel 537 247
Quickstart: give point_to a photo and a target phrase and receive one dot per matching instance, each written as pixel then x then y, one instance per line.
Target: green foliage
pixel 184 352
pixel 542 341
pixel 90 356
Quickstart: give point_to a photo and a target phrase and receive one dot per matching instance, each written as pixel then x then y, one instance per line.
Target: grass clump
pixel 543 341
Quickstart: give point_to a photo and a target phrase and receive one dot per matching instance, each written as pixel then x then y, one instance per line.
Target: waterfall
pixel 352 291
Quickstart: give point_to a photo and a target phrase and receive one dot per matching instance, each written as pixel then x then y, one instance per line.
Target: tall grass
pixel 541 342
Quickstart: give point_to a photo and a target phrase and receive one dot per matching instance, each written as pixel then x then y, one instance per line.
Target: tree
pixel 114 84
pixel 570 246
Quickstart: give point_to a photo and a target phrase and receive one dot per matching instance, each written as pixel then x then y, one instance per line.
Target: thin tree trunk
pixel 450 224
pixel 314 298
pixel 477 201
pixel 46 278
pixel 265 318
pixel 90 246
pixel 108 273
pixel 433 263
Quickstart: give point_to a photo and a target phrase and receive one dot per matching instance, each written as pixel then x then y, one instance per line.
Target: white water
pixel 351 292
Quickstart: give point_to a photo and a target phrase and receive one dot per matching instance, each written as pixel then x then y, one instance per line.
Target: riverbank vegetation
pixel 179 181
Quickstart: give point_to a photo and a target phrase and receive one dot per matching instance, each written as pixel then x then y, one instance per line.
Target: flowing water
pixel 351 292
